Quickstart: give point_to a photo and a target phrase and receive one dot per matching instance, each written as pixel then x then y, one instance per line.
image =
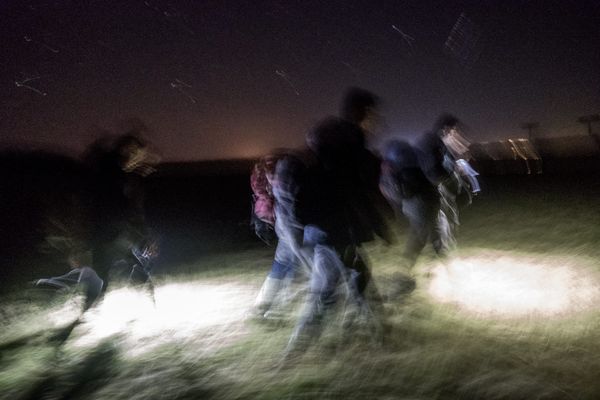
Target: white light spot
pixel 507 285
pixel 182 311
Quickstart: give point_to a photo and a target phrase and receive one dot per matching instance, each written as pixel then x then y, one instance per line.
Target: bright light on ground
pixel 509 285
pixel 183 311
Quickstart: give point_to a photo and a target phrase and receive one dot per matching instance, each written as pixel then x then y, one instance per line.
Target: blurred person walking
pixel 443 155
pixel 118 168
pixel 339 213
pixel 412 195
pixel 276 183
pixel 109 231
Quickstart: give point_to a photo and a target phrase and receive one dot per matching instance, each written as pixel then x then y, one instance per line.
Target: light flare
pixel 180 311
pixel 505 285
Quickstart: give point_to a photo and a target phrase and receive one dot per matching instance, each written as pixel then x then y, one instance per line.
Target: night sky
pixel 224 79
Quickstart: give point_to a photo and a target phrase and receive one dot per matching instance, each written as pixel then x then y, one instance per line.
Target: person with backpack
pixel 276 181
pixel 443 155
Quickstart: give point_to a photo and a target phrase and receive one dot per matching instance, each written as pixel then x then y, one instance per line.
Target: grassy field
pixel 511 315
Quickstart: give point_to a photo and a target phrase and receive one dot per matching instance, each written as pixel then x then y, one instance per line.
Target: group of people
pixel 320 204
pixel 326 201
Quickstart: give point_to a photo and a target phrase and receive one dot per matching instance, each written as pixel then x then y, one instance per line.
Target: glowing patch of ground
pixel 181 312
pixel 512 285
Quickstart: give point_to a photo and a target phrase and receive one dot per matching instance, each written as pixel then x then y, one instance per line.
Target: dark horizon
pixel 233 79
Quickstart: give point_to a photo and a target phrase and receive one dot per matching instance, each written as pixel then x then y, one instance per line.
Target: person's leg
pixel 291 257
pixel 416 211
pixel 282 267
pixel 355 261
pixel 325 275
pixel 419 213
pixel 92 285
pixel 362 276
pixel 446 224
pixel 270 288
pixel 324 279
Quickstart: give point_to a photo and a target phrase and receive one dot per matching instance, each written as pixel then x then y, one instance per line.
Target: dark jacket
pixel 402 176
pixel 343 185
pixel 430 151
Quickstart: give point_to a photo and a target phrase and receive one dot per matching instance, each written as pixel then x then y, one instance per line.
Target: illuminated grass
pixel 197 344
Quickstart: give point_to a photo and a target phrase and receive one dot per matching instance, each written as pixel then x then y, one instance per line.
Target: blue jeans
pixel 327 271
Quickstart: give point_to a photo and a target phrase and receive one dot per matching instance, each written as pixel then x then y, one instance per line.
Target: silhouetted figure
pixel 339 213
pixel 443 155
pixel 412 195
pixel 118 168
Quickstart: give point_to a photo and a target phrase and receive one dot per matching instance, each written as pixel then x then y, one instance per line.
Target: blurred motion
pixel 129 275
pixel 443 155
pixel 413 196
pixel 427 183
pixel 81 277
pixel 519 150
pixel 464 42
pixel 181 311
pixel 118 166
pixel 263 207
pixel 511 313
pixel 276 181
pixel 340 214
pixel 88 214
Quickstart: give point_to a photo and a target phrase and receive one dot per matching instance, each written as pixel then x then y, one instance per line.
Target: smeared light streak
pixel 354 70
pixel 29 39
pixel 286 77
pixel 505 285
pixel 171 13
pixel 182 87
pixel 22 83
pixel 463 42
pixel 407 38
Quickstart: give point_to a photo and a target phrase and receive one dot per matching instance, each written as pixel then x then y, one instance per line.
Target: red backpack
pixel 262 191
